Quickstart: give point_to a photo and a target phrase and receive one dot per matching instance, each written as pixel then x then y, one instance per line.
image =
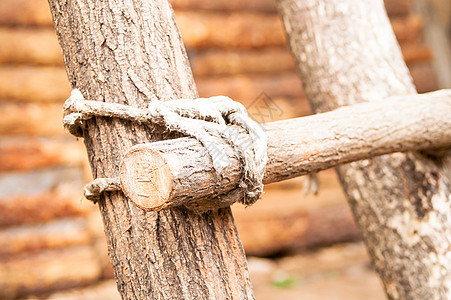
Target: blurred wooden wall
pixel 51 238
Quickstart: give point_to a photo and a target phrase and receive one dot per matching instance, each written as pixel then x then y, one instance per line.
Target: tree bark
pixel 347 53
pixel 131 52
pixel 178 174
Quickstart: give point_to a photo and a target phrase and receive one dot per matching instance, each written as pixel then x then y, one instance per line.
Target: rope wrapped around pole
pixel 205 119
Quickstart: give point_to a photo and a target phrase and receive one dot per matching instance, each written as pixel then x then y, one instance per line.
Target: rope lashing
pixel 204 119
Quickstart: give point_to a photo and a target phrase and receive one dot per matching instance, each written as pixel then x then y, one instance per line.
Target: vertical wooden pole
pixel 130 52
pixel 347 53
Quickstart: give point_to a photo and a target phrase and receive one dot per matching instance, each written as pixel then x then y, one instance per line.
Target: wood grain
pixel 295 147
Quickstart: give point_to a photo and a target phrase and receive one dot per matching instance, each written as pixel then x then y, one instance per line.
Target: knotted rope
pixel 204 119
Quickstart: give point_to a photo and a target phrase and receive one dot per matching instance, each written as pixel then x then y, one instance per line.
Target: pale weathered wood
pixel 176 172
pixel 38 208
pixel 401 201
pixel 239 61
pixel 130 52
pixel 30 119
pixel 29 45
pixel 202 30
pixel 54 234
pixel 40 46
pixel 248 87
pixel 25 13
pixel 46 84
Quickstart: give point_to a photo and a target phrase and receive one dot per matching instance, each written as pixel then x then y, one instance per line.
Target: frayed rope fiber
pixel 204 119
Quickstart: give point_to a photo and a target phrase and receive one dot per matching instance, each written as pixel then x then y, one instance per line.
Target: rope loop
pixel 204 119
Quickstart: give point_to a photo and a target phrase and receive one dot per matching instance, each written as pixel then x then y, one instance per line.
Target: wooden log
pixel 25 13
pixel 249 87
pixel 400 201
pixel 54 234
pixel 30 119
pixel 264 109
pixel 178 172
pixel 237 30
pixel 32 46
pixel 294 230
pixel 305 221
pixel 40 207
pixel 26 83
pixel 48 270
pixel 40 181
pixel 28 153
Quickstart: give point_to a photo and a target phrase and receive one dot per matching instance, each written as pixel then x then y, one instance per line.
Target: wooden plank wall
pixel 51 239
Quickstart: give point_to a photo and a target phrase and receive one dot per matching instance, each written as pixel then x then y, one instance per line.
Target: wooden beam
pixel 400 201
pixel 48 270
pixel 131 52
pixel 180 172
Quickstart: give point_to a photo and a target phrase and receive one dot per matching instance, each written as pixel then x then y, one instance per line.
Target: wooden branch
pixel 400 201
pixel 179 173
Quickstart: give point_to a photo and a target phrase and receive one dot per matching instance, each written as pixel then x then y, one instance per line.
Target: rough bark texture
pixel 130 52
pixel 177 172
pixel 347 53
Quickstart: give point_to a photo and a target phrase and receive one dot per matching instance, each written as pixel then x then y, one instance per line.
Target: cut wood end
pixel 146 177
